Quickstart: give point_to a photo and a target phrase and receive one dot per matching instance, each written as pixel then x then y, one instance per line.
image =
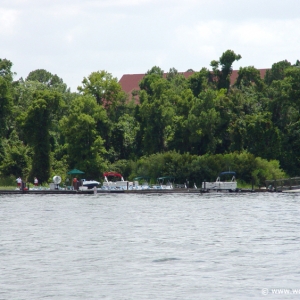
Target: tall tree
pixel 263 138
pixel 5 104
pixel 48 79
pixel 222 77
pixel 124 137
pixel 103 86
pixel 180 131
pixel 249 76
pixel 6 77
pixel 16 157
pixel 199 81
pixel 285 109
pixel 36 124
pixel 5 69
pixel 277 71
pixel 152 75
pixel 204 121
pixel 85 147
pixel 156 113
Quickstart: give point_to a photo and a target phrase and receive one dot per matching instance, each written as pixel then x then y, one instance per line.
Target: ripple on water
pixel 222 246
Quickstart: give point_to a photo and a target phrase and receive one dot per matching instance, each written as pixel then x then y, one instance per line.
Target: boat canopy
pixel 227 173
pixel 114 174
pixel 165 178
pixel 141 177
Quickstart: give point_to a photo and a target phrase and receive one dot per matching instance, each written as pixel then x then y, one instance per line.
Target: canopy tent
pixel 75 172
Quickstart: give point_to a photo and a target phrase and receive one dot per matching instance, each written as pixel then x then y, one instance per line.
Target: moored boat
pixel 89 183
pixel 220 185
pixel 110 182
pixel 165 182
pixel 141 183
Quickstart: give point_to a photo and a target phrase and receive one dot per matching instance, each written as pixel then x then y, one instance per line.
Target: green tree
pixel 85 147
pixel 156 113
pixel 16 157
pixel 36 124
pixel 285 110
pixel 46 78
pixel 152 75
pixel 6 77
pixel 204 121
pixel 104 87
pixel 277 71
pixel 249 76
pixel 5 69
pixel 5 105
pixel 198 82
pixel 222 77
pixel 180 133
pixel 263 139
pixel 124 136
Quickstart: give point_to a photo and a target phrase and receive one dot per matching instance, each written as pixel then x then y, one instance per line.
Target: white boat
pixel 115 185
pixel 219 185
pixel 141 183
pixel 165 183
pixel 89 183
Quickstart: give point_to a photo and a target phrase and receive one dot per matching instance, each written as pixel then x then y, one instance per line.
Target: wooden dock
pixel 283 185
pixel 45 192
pixel 99 191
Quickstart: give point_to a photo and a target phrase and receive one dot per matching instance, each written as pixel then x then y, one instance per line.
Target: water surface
pixel 175 246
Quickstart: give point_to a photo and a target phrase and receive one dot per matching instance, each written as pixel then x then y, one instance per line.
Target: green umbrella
pixel 75 172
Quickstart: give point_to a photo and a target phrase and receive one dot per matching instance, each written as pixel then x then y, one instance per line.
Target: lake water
pixel 175 246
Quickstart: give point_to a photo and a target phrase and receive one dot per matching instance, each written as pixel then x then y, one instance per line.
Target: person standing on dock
pixel 19 182
pixel 35 181
pixel 75 183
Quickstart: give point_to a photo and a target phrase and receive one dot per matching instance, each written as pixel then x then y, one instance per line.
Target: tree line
pixel 190 128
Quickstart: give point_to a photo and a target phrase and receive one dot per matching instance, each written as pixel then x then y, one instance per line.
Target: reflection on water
pixel 211 246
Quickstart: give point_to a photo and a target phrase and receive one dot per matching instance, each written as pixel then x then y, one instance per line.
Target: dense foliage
pixel 190 128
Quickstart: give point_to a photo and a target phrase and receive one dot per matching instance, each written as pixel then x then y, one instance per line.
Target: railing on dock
pixel 279 185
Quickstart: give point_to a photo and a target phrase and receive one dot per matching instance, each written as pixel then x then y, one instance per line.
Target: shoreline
pixel 153 191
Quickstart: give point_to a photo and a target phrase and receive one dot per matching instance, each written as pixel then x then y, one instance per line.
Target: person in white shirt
pixel 19 181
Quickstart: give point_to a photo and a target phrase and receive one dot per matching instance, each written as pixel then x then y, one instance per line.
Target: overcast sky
pixel 72 38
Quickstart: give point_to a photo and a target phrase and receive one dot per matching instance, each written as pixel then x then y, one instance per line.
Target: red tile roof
pixel 130 82
pixel 235 74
